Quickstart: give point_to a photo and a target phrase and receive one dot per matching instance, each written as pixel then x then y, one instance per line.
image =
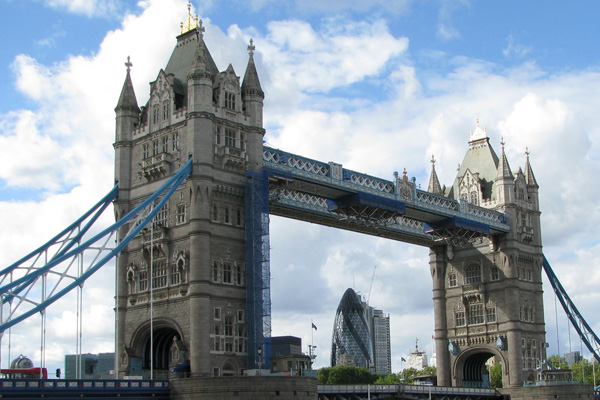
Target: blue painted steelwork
pixel 11 289
pixel 258 280
pixel 84 388
pixel 63 237
pixel 332 182
pixel 584 330
pixel 348 392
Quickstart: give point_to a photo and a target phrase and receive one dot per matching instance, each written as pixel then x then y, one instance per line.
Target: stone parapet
pixel 560 392
pixel 244 388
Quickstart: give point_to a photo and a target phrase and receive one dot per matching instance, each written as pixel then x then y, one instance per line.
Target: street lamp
pixel 259 360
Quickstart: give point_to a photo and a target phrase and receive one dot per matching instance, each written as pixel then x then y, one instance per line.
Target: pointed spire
pixel 529 176
pixel 127 100
pixel 503 167
pixel 251 83
pixel 201 66
pixel 434 183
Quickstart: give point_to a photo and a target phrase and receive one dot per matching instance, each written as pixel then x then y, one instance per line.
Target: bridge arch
pixel 167 348
pixel 470 367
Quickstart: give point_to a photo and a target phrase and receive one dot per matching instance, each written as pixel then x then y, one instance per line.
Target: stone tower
pixel 488 292
pixel 196 292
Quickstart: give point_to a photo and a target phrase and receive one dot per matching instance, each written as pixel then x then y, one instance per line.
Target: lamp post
pixel 259 360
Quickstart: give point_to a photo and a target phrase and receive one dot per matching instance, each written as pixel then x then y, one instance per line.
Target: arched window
pixel 474 199
pixel 473 274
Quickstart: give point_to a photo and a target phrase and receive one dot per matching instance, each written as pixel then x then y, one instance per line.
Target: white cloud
pixel 515 49
pixel 89 8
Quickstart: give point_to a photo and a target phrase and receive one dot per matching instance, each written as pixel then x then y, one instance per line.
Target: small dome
pixel 21 362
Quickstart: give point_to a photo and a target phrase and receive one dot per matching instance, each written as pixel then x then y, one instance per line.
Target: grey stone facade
pixel 488 293
pixel 196 244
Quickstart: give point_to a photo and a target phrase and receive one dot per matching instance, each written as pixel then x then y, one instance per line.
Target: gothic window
pixel 239 274
pixel 523 219
pixel 166 110
pixel 155 113
pixel 217 313
pixel 217 345
pixel 175 275
pixel 181 214
pixel 155 147
pixel 146 148
pixel 473 274
pixel 143 280
pixel 238 217
pixel 460 318
pixel 491 314
pixel 240 316
pixel 474 198
pixel 495 274
pixel 241 348
pixel 452 282
pixel 175 140
pixel 217 135
pixel 230 100
pixel 226 212
pixel 463 196
pixel 475 314
pixel 227 278
pixel 159 274
pixel 229 346
pixel 217 329
pixel 242 143
pixel 229 138
pixel 228 325
pixel 215 213
pixel 215 271
pixel 165 144
pixel 161 218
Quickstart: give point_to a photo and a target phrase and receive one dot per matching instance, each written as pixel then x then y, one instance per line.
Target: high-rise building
pixel 361 335
pixel 381 342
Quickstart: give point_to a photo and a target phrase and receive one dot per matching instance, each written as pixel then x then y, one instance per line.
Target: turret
pixel 127 118
pixel 200 76
pixel 127 109
pixel 252 93
pixel 434 182
pixel 505 181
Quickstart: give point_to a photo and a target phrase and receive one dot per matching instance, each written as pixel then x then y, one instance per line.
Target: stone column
pixel 437 264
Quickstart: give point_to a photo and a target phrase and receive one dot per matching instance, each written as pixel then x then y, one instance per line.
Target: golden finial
pixel 190 22
pixel 432 160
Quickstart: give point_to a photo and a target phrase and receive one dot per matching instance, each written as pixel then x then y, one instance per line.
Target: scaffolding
pixel 258 280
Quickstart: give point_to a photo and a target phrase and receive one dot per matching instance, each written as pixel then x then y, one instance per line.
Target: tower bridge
pixel 193 268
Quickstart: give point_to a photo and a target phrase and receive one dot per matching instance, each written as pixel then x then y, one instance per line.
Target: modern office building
pixel 361 335
pixel 381 342
pixel 92 366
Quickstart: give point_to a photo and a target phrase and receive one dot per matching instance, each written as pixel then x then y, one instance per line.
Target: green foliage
pixel 557 362
pixel 345 375
pixel 389 379
pixel 496 376
pixel 587 374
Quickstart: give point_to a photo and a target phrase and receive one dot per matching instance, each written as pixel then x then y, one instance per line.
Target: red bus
pixel 24 373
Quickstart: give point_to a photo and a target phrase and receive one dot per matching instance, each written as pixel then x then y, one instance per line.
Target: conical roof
pixel 529 176
pixel 434 182
pixel 504 171
pixel 251 83
pixel 127 100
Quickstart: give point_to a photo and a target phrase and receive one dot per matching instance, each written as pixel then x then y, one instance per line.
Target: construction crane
pixel 371 286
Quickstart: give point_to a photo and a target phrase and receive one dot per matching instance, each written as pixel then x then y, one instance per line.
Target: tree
pixel 557 362
pixel 496 375
pixel 345 375
pixel 583 371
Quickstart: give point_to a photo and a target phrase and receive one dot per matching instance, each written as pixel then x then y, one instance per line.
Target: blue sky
pixel 377 86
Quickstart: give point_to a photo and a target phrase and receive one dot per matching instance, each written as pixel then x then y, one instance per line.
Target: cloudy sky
pixel 377 86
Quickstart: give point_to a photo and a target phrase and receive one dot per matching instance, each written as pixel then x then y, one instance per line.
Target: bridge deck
pixel 83 388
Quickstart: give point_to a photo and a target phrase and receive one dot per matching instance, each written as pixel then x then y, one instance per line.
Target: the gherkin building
pixel 351 343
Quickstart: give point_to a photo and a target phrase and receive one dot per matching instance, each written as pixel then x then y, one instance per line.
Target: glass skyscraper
pixel 358 332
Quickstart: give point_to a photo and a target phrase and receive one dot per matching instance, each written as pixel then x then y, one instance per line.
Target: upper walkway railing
pixel 334 175
pixel 401 388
